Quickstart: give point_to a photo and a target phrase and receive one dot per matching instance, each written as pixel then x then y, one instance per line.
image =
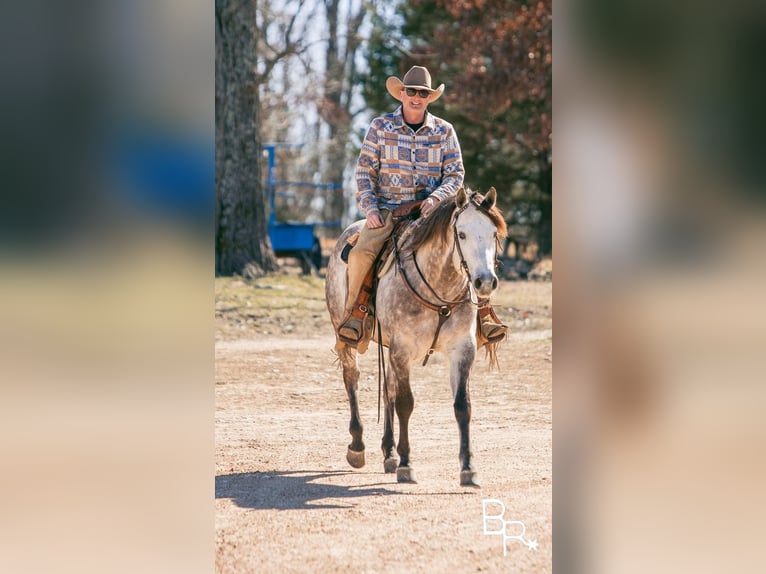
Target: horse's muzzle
pixel 485 284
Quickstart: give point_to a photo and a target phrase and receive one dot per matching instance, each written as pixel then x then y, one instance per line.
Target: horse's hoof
pixel 469 478
pixel 405 474
pixel 355 458
pixel 390 464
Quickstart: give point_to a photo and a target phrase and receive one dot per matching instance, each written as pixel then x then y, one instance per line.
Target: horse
pixel 426 302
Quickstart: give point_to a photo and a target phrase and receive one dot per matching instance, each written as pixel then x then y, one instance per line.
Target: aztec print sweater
pixel 395 162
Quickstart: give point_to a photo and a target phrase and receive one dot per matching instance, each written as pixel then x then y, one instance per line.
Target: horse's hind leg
pixel 462 361
pixel 404 404
pixel 348 360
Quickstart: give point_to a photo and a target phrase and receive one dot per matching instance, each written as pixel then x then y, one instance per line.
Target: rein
pixel 445 306
pixel 381 366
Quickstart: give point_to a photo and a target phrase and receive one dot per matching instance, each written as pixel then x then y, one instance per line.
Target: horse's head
pixel 477 225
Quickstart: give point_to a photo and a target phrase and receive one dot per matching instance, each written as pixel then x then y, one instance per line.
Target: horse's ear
pixel 461 199
pixel 490 199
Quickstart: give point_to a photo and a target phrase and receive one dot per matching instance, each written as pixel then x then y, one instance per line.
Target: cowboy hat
pixel 418 77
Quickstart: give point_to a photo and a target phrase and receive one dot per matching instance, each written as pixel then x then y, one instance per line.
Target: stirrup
pixel 355 319
pixel 499 331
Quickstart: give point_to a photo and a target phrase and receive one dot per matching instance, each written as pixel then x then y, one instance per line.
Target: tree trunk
pixel 241 231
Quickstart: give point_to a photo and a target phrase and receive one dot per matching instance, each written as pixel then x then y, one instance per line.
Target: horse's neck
pixel 437 263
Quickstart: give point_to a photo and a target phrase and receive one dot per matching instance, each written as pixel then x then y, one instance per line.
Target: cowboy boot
pixel 351 329
pixel 492 330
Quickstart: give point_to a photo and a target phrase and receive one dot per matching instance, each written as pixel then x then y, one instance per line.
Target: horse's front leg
pixel 390 462
pixel 461 363
pixel 348 360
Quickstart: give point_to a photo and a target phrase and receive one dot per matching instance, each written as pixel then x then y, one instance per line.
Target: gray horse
pixel 426 302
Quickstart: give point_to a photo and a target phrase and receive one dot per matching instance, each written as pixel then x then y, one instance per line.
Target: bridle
pixel 443 306
pixel 456 246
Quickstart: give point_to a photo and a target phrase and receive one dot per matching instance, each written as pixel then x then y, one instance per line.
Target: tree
pixel 495 58
pixel 241 233
pixel 335 106
pixel 384 53
pixel 499 53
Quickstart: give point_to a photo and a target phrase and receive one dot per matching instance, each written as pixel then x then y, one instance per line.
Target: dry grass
pixel 293 304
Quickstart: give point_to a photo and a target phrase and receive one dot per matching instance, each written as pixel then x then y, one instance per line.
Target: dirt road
pixel 287 500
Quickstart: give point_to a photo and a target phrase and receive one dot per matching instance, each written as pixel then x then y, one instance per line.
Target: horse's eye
pixel 461 235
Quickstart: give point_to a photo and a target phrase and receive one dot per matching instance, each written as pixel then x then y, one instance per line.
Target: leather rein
pixel 444 307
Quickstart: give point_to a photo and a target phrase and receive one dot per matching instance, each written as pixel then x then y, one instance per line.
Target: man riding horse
pixel 408 155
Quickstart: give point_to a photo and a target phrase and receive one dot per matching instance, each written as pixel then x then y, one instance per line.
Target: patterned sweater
pixel 395 162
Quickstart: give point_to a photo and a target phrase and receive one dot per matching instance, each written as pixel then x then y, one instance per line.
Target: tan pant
pixel 363 255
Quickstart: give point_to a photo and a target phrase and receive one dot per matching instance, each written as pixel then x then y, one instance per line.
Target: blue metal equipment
pixel 293 239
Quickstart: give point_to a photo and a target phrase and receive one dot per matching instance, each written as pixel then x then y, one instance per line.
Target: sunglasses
pixel 422 93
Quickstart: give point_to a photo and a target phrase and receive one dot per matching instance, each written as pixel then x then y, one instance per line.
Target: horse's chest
pixel 414 326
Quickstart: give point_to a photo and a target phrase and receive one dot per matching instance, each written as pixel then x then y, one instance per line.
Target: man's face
pixel 414 106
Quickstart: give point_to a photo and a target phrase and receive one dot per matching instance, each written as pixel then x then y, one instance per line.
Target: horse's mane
pixel 437 225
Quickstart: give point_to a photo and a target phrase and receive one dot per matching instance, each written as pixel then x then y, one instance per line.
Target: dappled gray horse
pixel 426 302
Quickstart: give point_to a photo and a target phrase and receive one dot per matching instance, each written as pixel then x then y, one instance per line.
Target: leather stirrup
pixel 486 311
pixel 360 309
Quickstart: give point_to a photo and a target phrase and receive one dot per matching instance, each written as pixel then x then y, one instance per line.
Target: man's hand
pixel 428 205
pixel 374 220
